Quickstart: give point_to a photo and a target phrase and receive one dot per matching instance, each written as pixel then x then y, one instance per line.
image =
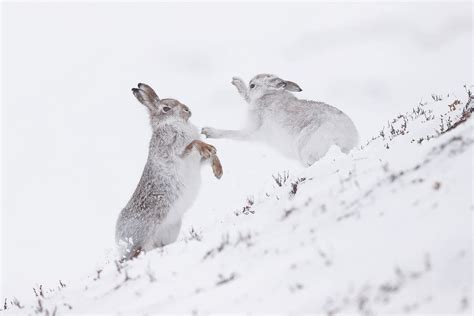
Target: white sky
pixel 74 140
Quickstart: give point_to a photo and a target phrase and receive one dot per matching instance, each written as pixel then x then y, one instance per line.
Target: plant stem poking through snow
pixel 247 209
pixel 16 303
pixel 223 280
pixel 39 293
pixel 195 235
pixel 224 242
pixel 98 274
pixel 294 185
pixel 281 179
pixel 288 212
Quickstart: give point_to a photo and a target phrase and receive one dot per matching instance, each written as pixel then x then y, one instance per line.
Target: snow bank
pixel 384 229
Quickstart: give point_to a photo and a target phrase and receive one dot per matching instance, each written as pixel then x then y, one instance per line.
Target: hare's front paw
pixel 206 150
pixel 210 132
pixel 216 166
pixel 239 83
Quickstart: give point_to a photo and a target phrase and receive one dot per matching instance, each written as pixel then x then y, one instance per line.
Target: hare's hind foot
pixel 131 253
pixel 313 145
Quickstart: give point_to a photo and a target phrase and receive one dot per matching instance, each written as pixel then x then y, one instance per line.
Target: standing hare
pixel 170 180
pixel 300 129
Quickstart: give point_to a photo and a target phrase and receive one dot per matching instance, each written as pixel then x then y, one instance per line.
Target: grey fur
pixel 170 179
pixel 301 129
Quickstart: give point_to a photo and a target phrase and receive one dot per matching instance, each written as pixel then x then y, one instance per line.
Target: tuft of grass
pixel 247 208
pixel 194 235
pixel 223 279
pixel 281 179
pixel 294 185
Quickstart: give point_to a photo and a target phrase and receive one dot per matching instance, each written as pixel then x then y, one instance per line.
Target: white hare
pixel 170 180
pixel 301 129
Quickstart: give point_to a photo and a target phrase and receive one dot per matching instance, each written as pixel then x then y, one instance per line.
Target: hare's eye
pixel 166 108
pixel 252 86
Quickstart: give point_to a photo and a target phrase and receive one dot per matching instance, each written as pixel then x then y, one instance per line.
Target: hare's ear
pixel 289 86
pixel 148 90
pixel 146 96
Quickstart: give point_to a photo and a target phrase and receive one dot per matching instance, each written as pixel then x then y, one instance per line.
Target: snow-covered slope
pixel 384 229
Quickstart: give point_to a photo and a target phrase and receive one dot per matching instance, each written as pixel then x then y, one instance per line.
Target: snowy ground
pixel 384 229
pixel 74 141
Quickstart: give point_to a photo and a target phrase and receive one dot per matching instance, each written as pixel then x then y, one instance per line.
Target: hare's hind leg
pixel 313 144
pixel 131 253
pixel 166 234
pixel 135 252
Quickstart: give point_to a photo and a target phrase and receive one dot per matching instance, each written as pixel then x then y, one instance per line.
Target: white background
pixel 74 139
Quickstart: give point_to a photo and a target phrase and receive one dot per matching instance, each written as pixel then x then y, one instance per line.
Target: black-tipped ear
pixel 151 93
pixel 137 94
pixel 291 86
pixel 144 98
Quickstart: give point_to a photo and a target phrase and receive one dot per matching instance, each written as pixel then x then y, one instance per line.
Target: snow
pixel 384 229
pixel 358 236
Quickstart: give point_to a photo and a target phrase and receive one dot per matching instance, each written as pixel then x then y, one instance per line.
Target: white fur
pixel 299 129
pixel 170 180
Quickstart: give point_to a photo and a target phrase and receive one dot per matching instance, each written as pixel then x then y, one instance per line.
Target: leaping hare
pixel 170 180
pixel 300 129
